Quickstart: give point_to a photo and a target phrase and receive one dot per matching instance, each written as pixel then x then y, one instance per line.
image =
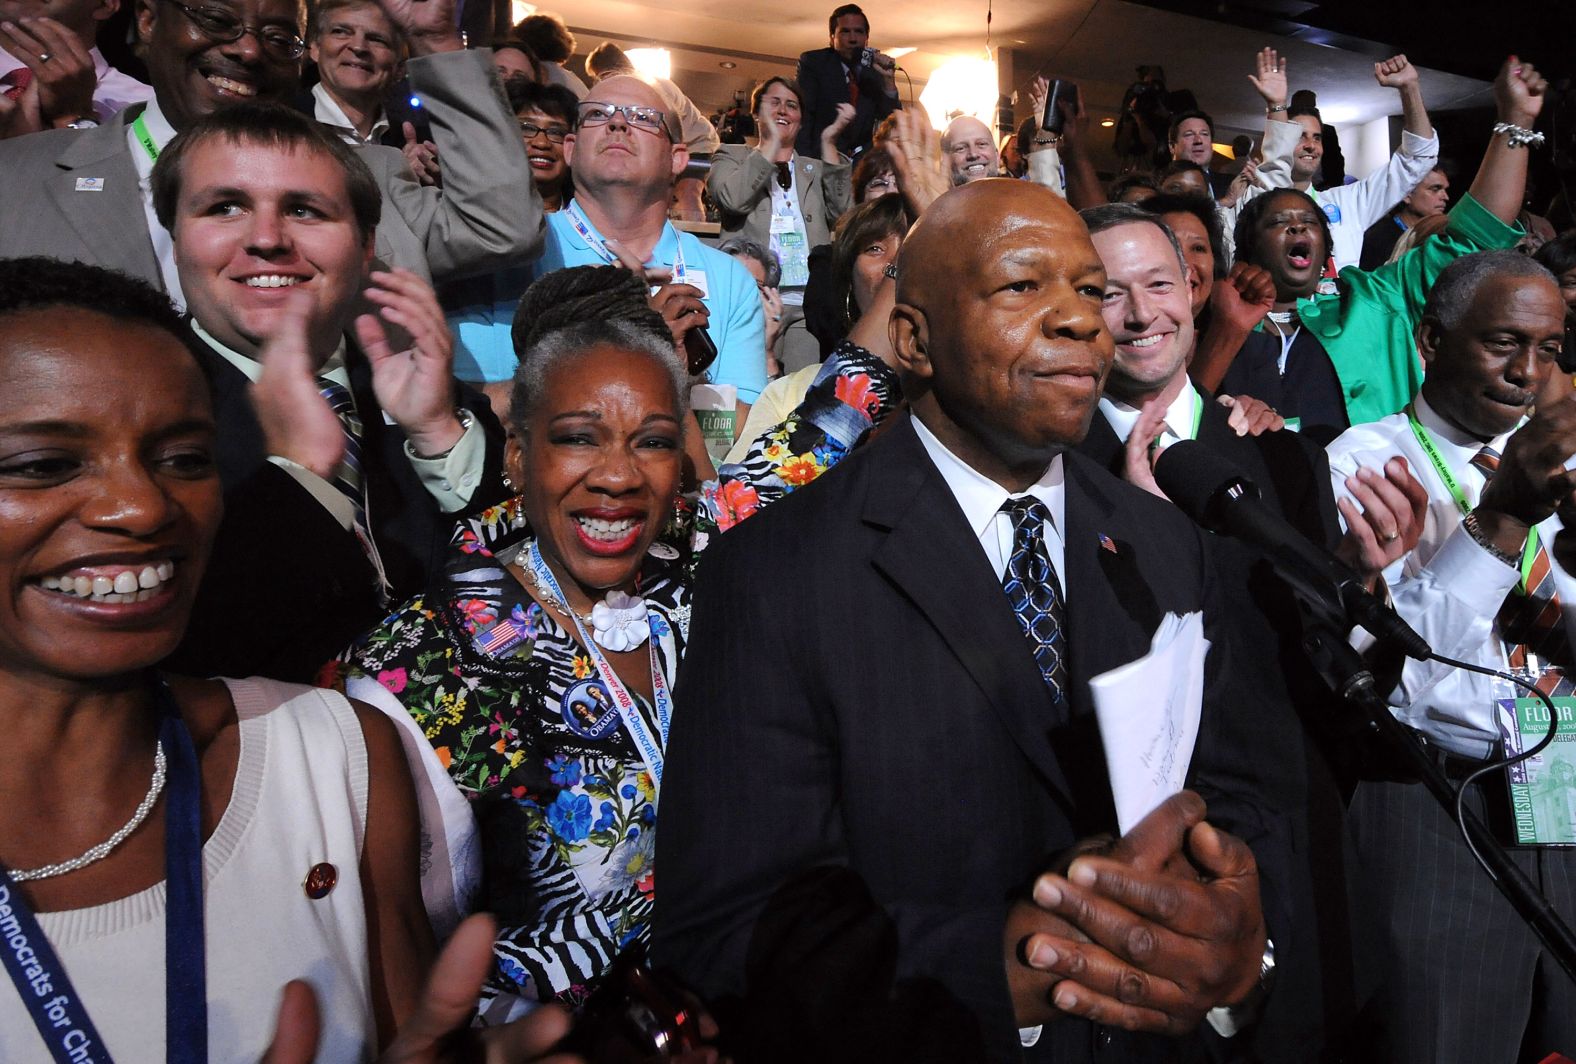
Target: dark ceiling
pixel 1466 38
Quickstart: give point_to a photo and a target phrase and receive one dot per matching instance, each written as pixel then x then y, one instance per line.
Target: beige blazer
pixel 72 194
pixel 740 185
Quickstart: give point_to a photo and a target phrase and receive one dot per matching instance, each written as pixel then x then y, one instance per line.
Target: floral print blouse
pixel 512 707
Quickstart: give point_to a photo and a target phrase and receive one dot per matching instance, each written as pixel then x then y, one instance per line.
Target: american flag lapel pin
pixel 1107 543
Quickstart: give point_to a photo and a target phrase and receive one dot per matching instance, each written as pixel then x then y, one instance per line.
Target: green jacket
pixel 1369 326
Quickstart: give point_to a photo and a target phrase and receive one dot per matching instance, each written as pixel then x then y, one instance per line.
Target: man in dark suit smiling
pixel 887 679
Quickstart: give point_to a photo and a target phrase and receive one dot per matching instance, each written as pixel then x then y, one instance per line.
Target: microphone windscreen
pixel 1192 476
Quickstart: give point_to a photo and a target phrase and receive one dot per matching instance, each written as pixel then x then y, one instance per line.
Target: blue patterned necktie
pixel 1032 589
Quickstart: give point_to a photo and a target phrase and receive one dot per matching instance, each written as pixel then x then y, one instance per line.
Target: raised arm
pixel 488 214
pixel 1399 74
pixel 1280 136
pixel 1501 181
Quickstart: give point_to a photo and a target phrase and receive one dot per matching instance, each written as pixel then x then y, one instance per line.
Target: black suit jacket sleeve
pixel 744 718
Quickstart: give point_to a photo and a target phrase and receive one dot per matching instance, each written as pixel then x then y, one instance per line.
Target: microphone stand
pixel 1344 670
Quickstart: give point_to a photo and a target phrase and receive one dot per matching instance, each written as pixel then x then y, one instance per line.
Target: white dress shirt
pixel 1181 416
pixel 114 92
pixel 1352 208
pixel 981 499
pixel 1450 588
pixel 327 110
pixel 161 133
pixel 451 480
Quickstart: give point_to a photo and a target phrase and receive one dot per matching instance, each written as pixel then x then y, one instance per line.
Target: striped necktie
pixel 347 478
pixel 1530 619
pixel 1034 592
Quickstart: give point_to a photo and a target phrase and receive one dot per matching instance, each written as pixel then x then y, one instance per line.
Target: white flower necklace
pixel 618 622
pixel 103 849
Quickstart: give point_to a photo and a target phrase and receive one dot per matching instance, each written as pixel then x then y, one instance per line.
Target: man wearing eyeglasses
pixel 52 75
pixel 623 158
pixel 86 194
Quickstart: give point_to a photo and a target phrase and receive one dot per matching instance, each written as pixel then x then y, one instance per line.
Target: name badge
pixel 1542 788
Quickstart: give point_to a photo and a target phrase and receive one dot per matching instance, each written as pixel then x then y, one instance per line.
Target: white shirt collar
pixel 159 129
pixel 327 110
pixel 980 497
pixel 1179 415
pixel 333 369
pixel 1456 445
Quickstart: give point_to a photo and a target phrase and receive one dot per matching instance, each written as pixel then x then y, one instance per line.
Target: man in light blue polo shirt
pixel 624 157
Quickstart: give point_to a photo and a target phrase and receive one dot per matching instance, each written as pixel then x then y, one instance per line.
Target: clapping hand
pixel 422 155
pixel 438 1031
pixel 1395 72
pixel 916 158
pixel 840 121
pixel 62 67
pixel 1167 944
pixel 1250 416
pixel 1271 78
pixel 1141 451
pixel 415 387
pixel 1394 507
pixel 297 422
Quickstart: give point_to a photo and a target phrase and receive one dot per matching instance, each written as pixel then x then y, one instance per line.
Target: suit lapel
pixel 110 220
pixel 1111 610
pixel 933 557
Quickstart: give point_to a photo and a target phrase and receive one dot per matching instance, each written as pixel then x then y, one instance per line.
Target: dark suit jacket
pixel 1318 983
pixel 823 84
pixel 287 587
pixel 858 693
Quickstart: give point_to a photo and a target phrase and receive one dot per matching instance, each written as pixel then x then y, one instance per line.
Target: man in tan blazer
pixel 84 193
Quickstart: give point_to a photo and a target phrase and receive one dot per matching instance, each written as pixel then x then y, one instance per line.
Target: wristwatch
pixel 1480 537
pixel 82 123
pixel 1277 109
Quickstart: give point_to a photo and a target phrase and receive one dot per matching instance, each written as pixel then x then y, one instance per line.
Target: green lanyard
pixel 139 129
pixel 1198 410
pixel 1426 442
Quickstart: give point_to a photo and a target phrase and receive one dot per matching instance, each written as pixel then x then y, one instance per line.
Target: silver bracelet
pixel 1519 136
pixel 1480 537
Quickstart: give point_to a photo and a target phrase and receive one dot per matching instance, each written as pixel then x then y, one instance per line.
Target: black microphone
pixel 1223 499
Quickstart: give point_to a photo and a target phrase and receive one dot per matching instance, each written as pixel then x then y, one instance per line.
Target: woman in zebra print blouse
pixel 533 680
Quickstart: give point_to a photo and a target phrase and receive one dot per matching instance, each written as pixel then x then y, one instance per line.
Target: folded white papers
pixel 1148 711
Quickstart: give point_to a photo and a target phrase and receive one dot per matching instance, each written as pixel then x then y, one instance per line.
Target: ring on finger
pixel 44 57
pixel 1391 537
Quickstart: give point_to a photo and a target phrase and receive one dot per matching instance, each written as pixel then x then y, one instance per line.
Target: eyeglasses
pixel 530 131
pixel 884 181
pixel 599 114
pixel 222 27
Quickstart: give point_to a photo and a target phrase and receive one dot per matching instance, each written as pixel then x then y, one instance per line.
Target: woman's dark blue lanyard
pixel 46 990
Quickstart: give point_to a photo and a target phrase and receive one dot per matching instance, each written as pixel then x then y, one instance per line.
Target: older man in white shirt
pixel 1465 979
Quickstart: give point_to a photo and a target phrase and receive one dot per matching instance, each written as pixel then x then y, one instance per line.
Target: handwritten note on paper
pixel 1148 712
